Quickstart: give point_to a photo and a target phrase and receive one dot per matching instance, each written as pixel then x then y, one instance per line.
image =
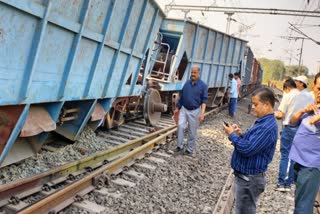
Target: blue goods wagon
pixel 247 68
pixel 65 64
pixel 184 44
pixel 252 75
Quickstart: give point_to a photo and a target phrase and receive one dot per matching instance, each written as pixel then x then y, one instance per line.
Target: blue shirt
pixel 193 95
pixel 254 150
pixel 305 148
pixel 234 89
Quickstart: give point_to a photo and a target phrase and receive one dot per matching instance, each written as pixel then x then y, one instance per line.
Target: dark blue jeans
pixel 307 186
pixel 286 139
pixel 247 193
pixel 232 106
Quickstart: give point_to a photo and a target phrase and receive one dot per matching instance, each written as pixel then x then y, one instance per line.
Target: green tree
pixel 295 70
pixel 272 69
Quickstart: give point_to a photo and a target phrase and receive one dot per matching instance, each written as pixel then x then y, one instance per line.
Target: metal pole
pixel 300 56
pixel 228 22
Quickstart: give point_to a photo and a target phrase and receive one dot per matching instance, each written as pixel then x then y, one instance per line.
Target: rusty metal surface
pixel 153 107
pixel 9 116
pixel 38 120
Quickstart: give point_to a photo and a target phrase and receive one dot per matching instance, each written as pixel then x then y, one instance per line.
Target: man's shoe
pixel 188 153
pixel 280 188
pixel 287 188
pixel 178 149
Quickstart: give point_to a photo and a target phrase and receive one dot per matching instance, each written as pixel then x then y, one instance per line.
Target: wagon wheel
pixel 153 107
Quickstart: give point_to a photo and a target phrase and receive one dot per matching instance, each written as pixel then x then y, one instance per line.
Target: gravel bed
pixel 85 145
pixel 182 184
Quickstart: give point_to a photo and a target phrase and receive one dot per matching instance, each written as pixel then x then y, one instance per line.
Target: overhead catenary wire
pixel 296 21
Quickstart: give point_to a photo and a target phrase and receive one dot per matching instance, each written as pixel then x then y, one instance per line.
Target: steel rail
pixel 226 198
pixel 37 181
pixel 50 203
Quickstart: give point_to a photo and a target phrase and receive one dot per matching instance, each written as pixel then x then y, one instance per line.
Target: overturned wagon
pixel 67 64
pixel 185 44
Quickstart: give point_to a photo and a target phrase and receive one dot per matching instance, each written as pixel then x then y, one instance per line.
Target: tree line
pixel 276 70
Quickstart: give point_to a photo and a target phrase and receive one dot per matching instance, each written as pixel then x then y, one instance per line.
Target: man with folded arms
pixel 305 152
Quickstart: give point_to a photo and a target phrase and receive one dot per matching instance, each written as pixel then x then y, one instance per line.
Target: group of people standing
pixel 300 141
pixel 255 148
pixel 299 146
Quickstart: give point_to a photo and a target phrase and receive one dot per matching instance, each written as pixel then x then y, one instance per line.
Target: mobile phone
pixel 225 123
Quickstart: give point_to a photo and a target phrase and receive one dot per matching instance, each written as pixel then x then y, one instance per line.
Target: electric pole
pixel 229 19
pixel 301 49
pixel 300 54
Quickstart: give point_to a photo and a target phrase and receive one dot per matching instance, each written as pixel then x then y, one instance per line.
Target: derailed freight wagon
pixel 69 63
pixel 256 75
pixel 185 44
pixel 252 73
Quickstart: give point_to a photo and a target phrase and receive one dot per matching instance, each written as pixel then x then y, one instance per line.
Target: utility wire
pixel 302 33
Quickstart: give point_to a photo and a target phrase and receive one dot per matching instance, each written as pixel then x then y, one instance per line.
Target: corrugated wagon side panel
pixel 71 9
pixel 80 71
pixel 210 46
pixel 189 35
pixel 146 21
pixel 210 52
pixel 201 44
pixel 96 16
pixel 120 10
pixel 52 60
pixel 15 47
pixel 100 76
pixel 61 56
pixel 69 50
pixel 137 11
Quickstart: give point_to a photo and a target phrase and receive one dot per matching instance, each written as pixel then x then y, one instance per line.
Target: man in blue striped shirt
pixel 253 151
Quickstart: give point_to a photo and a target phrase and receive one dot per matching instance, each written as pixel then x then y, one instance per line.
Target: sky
pixel 265 31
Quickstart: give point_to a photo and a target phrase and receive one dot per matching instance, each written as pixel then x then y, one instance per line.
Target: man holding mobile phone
pixel 253 151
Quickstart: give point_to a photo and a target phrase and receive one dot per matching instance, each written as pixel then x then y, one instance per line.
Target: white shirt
pixel 233 90
pixel 306 96
pixel 292 102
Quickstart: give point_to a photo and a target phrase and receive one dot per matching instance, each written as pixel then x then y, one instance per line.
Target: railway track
pixel 52 191
pixel 126 139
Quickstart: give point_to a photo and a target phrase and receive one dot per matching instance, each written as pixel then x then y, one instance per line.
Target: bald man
pixel 191 107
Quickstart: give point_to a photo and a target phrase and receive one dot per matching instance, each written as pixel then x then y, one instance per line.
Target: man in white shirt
pixel 237 78
pixel 290 104
pixel 233 96
pixel 302 84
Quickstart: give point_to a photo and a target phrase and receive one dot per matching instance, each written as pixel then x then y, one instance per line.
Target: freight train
pixel 252 73
pixel 68 64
